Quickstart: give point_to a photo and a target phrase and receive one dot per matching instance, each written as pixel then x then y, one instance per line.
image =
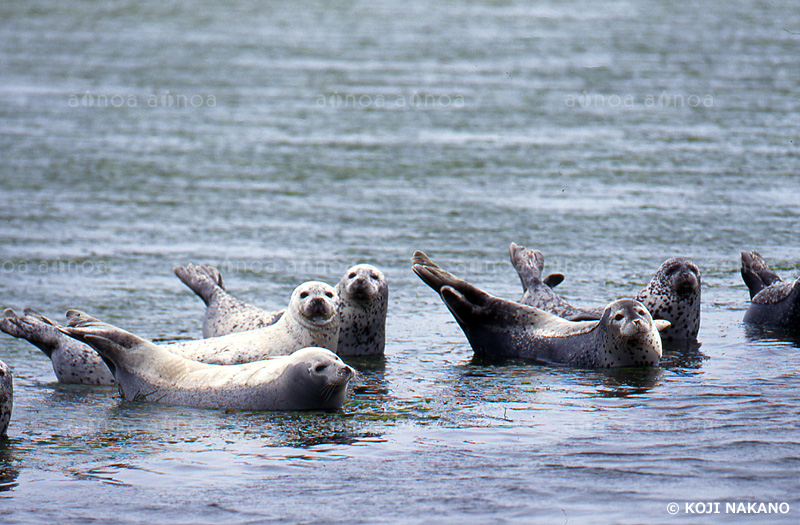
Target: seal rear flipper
pixel 33 327
pixel 419 258
pixel 756 274
pixel 113 344
pixel 437 279
pixel 529 265
pixel 205 281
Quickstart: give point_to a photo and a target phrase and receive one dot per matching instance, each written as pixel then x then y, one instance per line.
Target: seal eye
pixel 619 316
pixel 320 368
pixel 373 276
pixel 640 312
pixel 352 275
pixel 303 295
pixel 329 295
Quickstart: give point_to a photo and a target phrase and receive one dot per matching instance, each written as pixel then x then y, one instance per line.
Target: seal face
pixel 363 298
pixel 625 335
pixel 672 294
pixel 308 379
pixel 6 397
pixel 774 303
pixel 311 320
pixel 73 361
pixel 363 303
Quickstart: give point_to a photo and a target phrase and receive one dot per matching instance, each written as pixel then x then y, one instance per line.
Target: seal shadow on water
pixel 9 465
pixel 763 334
pixel 610 382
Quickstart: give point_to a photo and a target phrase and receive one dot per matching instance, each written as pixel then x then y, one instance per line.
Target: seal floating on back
pixel 363 298
pixel 308 379
pixel 73 361
pixel 773 302
pixel 6 397
pixel 625 335
pixel 673 294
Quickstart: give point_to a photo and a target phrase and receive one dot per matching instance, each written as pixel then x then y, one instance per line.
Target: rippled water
pixel 301 138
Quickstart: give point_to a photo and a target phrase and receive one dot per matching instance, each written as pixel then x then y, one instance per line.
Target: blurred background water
pixel 286 141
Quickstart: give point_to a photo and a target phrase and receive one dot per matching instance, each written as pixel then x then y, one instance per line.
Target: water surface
pixel 284 142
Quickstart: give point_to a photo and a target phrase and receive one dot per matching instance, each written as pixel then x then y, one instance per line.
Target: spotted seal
pixel 673 294
pixel 73 361
pixel 307 379
pixel 774 302
pixel 6 397
pixel 363 302
pixel 625 335
pixel 310 320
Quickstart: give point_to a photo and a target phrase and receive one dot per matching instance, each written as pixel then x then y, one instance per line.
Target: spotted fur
pixel 625 335
pixel 311 320
pixel 73 361
pixel 308 379
pixel 6 397
pixel 774 302
pixel 363 298
pixel 673 294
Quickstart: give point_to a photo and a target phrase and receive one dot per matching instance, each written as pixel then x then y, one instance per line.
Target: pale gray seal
pixel 73 361
pixel 673 294
pixel 773 302
pixel 362 305
pixel 625 335
pixel 308 379
pixel 310 320
pixel 6 397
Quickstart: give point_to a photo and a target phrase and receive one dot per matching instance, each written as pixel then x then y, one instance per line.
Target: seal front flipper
pixel 205 281
pixel 554 279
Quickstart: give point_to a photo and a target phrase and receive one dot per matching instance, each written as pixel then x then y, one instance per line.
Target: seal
pixel 673 294
pixel 774 303
pixel 362 305
pixel 310 320
pixel 308 379
pixel 6 397
pixel 625 335
pixel 73 361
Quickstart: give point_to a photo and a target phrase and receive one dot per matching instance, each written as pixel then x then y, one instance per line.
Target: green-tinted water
pixel 284 142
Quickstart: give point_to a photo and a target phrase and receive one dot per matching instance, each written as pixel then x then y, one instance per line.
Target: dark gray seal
pixel 774 303
pixel 363 299
pixel 73 361
pixel 625 335
pixel 308 379
pixel 673 294
pixel 6 397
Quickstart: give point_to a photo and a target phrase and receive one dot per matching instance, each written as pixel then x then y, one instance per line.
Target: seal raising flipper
pixel 73 362
pixel 363 298
pixel 756 274
pixel 529 265
pixel 626 334
pixel 773 302
pixel 309 379
pixel 224 313
pixel 310 320
pixel 672 294
pixel 6 397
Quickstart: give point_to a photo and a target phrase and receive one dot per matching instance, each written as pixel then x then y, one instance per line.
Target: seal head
pixel 363 303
